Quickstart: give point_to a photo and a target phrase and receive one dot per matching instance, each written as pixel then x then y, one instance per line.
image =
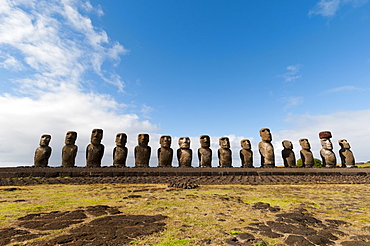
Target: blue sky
pixel 183 68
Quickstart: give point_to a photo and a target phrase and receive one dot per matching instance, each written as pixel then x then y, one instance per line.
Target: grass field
pixel 210 212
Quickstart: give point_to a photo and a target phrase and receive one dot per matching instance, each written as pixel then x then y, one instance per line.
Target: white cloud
pixel 146 110
pixel 344 88
pixel 55 44
pixel 10 63
pixel 291 101
pixel 351 125
pixel 25 119
pixel 328 8
pixel 291 73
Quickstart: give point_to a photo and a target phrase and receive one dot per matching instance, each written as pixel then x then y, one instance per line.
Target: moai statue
pixel 204 152
pixel 120 151
pixel 224 153
pixel 165 152
pixel 288 154
pixel 266 149
pixel 95 150
pixel 142 151
pixel 246 153
pixel 346 155
pixel 69 150
pixel 42 153
pixel 184 153
pixel 326 153
pixel 306 154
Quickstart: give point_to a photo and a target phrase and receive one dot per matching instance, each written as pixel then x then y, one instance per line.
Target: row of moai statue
pixel 142 152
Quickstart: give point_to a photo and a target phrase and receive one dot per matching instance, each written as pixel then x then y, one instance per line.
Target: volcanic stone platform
pixel 84 175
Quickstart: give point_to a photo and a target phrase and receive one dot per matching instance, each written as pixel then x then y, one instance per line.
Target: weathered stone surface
pixel 11 235
pixel 184 153
pixel 112 228
pixel 325 134
pixel 294 240
pixel 265 206
pixel 246 153
pixel 224 153
pixel 288 154
pixel 95 150
pixel 326 153
pixel 204 152
pixel 43 153
pixel 355 243
pixel 346 155
pixel 69 150
pixel 306 154
pixel 183 185
pixel 142 151
pixel 266 149
pixel 120 151
pixel 165 152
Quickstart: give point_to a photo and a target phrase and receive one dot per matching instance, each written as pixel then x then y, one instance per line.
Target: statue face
pixel 184 143
pixel 326 143
pixel 287 144
pixel 45 140
pixel 121 139
pixel 143 140
pixel 304 143
pixel 165 141
pixel 205 141
pixel 70 138
pixel 224 143
pixel 344 144
pixel 245 144
pixel 266 134
pixel 96 136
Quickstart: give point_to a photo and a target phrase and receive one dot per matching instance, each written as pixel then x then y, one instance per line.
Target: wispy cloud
pixel 10 63
pixel 291 101
pixel 56 40
pixel 328 8
pixel 146 110
pixel 344 88
pixel 292 73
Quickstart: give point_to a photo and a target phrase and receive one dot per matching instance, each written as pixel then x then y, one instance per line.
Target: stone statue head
pixel 143 139
pixel 245 144
pixel 45 140
pixel 326 144
pixel 205 141
pixel 304 143
pixel 121 139
pixel 287 144
pixel 265 135
pixel 165 141
pixel 224 142
pixel 344 144
pixel 184 142
pixel 96 136
pixel 71 137
pixel 325 140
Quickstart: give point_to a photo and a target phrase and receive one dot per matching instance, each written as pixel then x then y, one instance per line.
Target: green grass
pixel 366 165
